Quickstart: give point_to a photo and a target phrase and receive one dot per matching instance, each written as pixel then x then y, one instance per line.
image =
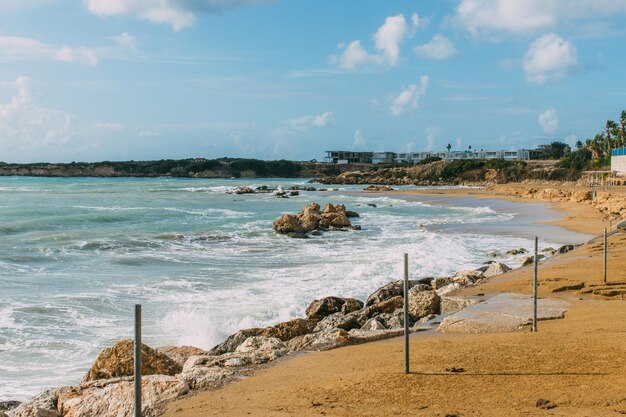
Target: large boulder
pixel 114 397
pixel 392 289
pixel 423 303
pixel 336 215
pixel 180 354
pixel 323 307
pixel 338 321
pixel 309 217
pixel 206 377
pixel 117 361
pixel 289 329
pixel 234 340
pixel 495 268
pixel 388 306
pixel 350 305
pixel 43 404
pixel 287 223
pixel 566 248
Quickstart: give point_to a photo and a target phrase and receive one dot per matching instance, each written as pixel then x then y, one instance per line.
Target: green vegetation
pixel 457 168
pixel 429 160
pixel 596 153
pixel 198 167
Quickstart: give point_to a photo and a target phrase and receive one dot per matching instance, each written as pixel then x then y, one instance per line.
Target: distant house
pixel 347 157
pixel 618 160
pixel 383 158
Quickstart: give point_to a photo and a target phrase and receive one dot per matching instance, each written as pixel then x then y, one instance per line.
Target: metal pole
pixel 137 360
pixel 535 285
pixel 605 252
pixel 406 313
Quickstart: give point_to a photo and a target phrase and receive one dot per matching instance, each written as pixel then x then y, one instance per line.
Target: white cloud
pixel 125 40
pixel 549 57
pixel 149 133
pixel 387 41
pixel 530 16
pixel 82 55
pixel 409 97
pixel 359 141
pixel 438 48
pixel 304 123
pixel 26 126
pixel 179 14
pixel 24 48
pixel 19 48
pixel 549 121
pixel 115 127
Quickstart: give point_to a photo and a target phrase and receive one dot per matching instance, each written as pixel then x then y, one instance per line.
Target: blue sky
pixel 139 79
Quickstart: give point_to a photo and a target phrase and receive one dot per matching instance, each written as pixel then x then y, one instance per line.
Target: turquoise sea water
pixel 77 254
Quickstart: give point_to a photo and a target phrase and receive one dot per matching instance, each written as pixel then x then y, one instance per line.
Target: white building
pixel 618 160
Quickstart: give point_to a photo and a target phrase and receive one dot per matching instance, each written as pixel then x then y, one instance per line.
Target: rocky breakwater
pixel 330 322
pixel 312 219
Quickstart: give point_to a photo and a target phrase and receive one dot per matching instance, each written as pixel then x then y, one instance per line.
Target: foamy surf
pixel 202 263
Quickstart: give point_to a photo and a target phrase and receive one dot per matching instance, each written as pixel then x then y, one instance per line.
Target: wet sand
pixel 578 363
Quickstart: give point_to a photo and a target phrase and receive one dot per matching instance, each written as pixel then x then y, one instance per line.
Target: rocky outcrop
pixel 117 361
pixel 378 188
pixel 114 397
pixel 311 218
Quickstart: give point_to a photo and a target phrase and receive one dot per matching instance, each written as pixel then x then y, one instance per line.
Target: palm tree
pixel 610 128
pixel 622 122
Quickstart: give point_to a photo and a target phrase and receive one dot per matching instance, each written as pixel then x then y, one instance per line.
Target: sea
pixel 76 255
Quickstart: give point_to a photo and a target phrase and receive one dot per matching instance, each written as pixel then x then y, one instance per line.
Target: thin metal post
pixel 406 313
pixel 137 360
pixel 605 253
pixel 535 285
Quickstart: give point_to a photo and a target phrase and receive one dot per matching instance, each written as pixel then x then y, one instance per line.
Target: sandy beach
pixel 578 363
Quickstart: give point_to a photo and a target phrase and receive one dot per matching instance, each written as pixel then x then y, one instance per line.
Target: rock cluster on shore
pixel 312 218
pixel 171 372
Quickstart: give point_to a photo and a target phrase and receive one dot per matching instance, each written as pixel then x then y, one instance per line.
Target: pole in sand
pixel 406 313
pixel 605 252
pixel 137 360
pixel 535 285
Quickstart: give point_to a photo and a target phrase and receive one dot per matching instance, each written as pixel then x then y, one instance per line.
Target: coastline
pixel 484 287
pixel 358 380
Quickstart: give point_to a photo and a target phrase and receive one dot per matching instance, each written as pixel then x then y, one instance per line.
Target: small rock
pixel 8 405
pixel 495 268
pixel 519 251
pixel 545 404
pixel 180 354
pixel 565 248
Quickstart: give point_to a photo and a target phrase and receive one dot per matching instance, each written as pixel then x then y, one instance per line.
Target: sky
pixel 93 80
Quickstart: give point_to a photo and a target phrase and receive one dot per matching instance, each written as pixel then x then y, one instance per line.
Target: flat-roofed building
pixel 618 160
pixel 348 157
pixel 383 158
